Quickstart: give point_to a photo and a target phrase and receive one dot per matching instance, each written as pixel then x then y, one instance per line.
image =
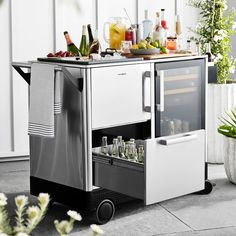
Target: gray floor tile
pixel 217 209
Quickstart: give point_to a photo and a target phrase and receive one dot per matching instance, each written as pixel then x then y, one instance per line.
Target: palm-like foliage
pixel 228 126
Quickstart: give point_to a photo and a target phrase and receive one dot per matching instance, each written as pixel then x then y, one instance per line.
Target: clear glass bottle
pixel 119 140
pixel 141 154
pixel 158 31
pixel 188 45
pixel 104 148
pixel 147 26
pixel 115 150
pixel 163 19
pixel 122 150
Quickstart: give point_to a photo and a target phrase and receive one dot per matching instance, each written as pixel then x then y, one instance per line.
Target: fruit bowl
pixel 145 51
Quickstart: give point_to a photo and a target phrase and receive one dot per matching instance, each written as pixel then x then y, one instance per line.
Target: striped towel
pixel 45 99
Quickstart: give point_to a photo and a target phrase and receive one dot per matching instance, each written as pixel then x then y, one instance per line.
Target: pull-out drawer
pixel 173 166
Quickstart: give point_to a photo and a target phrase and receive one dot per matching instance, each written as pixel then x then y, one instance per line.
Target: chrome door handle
pixel 182 139
pixel 146 74
pixel 161 105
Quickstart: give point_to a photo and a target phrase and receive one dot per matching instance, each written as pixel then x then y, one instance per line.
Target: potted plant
pixel 228 130
pixel 216 26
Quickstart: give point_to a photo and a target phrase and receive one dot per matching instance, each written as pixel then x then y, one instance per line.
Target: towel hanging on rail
pixel 45 99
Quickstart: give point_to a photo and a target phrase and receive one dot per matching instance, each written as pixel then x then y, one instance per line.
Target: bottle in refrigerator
pixel 122 149
pixel 83 43
pixel 71 47
pixel 115 149
pixel 141 154
pixel 147 26
pixel 158 31
pixel 104 148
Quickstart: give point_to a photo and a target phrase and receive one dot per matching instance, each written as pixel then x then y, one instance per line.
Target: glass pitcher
pixel 117 27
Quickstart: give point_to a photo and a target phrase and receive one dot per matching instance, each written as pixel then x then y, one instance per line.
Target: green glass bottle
pixel 83 44
pixel 90 35
pixel 71 48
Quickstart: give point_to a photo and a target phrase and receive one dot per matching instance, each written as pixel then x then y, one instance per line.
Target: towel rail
pixel 77 82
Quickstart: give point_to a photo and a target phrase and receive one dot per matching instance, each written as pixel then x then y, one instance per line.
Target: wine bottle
pixel 95 46
pixel 147 26
pixel 83 43
pixel 208 53
pixel 90 35
pixel 71 48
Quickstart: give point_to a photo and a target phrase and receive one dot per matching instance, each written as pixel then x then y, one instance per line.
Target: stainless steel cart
pixel 119 98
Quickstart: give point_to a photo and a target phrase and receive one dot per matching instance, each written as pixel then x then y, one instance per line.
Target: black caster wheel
pixel 104 212
pixel 208 188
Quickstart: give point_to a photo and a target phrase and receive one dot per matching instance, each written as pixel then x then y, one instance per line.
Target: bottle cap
pixel 162 9
pixel 65 32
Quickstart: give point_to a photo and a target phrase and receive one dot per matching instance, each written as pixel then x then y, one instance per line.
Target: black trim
pixel 74 197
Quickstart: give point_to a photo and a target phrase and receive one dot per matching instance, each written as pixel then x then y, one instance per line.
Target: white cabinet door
pixel 117 95
pixel 174 166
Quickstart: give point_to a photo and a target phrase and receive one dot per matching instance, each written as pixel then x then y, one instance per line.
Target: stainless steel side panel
pixel 62 159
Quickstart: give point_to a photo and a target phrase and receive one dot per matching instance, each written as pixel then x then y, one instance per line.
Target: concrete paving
pixel 201 215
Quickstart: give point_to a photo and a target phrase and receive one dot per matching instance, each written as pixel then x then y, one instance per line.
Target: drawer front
pixel 118 95
pixel 119 175
pixel 174 166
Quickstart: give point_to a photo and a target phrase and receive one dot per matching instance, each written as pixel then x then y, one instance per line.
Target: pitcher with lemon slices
pixel 117 27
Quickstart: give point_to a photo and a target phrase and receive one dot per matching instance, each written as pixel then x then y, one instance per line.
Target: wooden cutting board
pixel 159 56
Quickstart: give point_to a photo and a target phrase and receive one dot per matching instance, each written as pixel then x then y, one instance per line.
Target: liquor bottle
pixel 158 31
pixel 208 53
pixel 163 20
pixel 95 46
pixel 147 26
pixel 83 43
pixel 90 35
pixel 71 48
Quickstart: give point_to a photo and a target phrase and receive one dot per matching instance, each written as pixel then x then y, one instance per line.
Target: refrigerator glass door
pixel 180 91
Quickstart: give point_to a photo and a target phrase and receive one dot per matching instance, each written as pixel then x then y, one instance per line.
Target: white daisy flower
pixel 74 215
pixel 96 229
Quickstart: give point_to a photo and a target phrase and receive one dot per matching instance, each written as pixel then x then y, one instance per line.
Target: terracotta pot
pixel 221 98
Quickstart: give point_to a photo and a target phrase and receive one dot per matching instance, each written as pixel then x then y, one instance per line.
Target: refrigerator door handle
pixel 161 105
pixel 146 74
pixel 182 139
